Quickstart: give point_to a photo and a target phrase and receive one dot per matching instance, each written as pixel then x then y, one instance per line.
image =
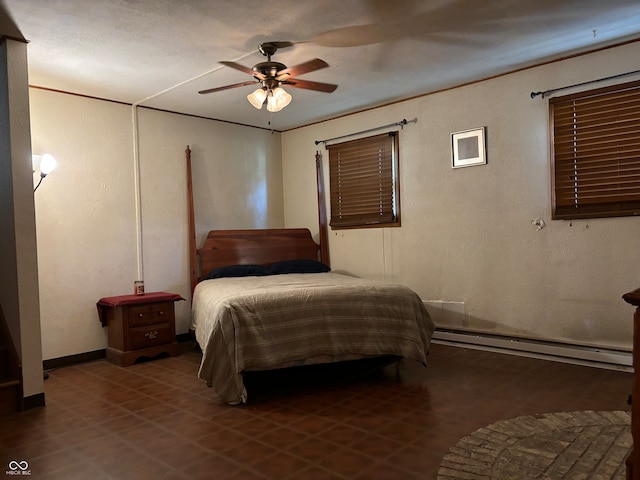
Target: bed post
pixel 193 256
pixel 322 213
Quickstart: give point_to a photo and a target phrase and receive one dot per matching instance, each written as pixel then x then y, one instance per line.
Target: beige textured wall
pixel 85 210
pixel 85 219
pixel 237 183
pixel 466 235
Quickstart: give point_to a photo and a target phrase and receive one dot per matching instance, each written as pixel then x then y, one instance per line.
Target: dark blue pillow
pixel 298 266
pixel 238 271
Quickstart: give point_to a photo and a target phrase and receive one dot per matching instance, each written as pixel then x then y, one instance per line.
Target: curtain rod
pixel 546 92
pixel 401 123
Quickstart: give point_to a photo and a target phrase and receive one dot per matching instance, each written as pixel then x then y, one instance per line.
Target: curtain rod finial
pixel 535 94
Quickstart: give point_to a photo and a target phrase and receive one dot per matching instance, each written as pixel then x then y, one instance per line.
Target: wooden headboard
pixel 236 247
pixel 262 246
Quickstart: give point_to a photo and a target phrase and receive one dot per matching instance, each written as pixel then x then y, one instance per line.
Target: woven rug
pixel 568 445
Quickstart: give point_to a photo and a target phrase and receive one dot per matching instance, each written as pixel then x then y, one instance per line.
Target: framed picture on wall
pixel 468 148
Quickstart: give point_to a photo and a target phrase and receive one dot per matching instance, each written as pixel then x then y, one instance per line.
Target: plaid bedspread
pixel 257 323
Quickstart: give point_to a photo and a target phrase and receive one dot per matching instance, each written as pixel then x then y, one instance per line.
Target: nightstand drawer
pixel 147 336
pixel 149 314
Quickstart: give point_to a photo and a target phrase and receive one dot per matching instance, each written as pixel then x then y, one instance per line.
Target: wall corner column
pixel 19 292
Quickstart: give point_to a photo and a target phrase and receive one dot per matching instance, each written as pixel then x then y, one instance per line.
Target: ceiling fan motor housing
pixel 269 69
pixel 269 48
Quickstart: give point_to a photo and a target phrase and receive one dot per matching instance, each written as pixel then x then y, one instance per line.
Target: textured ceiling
pixel 160 53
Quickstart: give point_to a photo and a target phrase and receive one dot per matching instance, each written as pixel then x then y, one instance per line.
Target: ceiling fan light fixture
pixel 278 99
pixel 270 75
pixel 257 98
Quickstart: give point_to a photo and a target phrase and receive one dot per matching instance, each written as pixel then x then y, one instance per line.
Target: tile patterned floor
pixel 156 420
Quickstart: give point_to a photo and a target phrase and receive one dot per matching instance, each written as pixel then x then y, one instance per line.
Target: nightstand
pixel 139 326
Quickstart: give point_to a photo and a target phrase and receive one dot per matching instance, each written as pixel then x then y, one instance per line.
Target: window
pixel 363 178
pixel 596 153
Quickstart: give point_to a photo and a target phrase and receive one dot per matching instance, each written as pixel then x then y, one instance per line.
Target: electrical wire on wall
pixel 136 186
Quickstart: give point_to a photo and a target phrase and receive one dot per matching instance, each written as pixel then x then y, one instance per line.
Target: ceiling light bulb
pixel 47 164
pixel 278 99
pixel 272 104
pixel 257 98
pixel 282 97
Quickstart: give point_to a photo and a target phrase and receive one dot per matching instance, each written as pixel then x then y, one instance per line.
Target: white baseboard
pixel 560 352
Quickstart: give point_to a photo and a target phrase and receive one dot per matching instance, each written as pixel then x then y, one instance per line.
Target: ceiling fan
pixel 272 75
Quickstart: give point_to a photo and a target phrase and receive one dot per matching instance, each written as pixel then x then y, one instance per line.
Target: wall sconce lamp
pixel 45 163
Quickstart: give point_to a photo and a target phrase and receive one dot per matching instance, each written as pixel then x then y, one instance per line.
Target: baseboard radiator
pixel 547 350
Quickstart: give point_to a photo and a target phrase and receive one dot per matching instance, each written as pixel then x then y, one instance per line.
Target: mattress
pixel 275 321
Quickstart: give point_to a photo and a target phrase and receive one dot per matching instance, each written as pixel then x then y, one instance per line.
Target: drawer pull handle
pixel 161 312
pixel 152 334
pixel 140 315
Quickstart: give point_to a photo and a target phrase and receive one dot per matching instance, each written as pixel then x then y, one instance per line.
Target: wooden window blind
pixel 596 153
pixel 363 177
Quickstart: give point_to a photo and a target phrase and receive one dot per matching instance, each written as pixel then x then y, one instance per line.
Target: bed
pixel 263 301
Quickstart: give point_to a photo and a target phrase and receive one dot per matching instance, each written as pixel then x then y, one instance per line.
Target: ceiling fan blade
pixel 227 87
pixel 244 69
pixel 281 44
pixel 8 26
pixel 317 86
pixel 302 68
pixel 355 36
